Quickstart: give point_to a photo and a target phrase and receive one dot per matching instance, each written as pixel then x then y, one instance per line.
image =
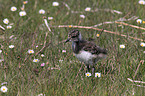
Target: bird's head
pixel 74 35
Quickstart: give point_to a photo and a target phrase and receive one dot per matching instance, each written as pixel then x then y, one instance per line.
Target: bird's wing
pixel 93 48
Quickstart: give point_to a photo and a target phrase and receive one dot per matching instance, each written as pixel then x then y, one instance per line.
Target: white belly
pixel 84 56
pixel 89 58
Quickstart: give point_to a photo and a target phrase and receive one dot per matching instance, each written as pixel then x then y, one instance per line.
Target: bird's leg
pixel 88 67
pixel 93 66
pixel 93 70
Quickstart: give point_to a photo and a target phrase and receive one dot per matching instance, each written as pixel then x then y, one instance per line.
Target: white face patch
pixel 80 36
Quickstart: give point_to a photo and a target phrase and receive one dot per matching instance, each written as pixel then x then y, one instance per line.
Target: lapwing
pixel 86 51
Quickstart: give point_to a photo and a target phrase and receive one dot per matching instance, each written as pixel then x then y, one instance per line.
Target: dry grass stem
pixel 135 81
pixel 87 27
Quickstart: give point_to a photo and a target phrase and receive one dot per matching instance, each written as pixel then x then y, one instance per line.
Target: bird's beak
pixel 67 40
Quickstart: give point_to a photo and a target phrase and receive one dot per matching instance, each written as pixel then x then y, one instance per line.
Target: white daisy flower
pixel 122 46
pixel 55 4
pixel 88 74
pixel 142 44
pixel 22 13
pixel 82 16
pixel 97 74
pixel 88 9
pixel 143 51
pixel 139 21
pixel 63 51
pixel 50 18
pixel 42 55
pixel 0 51
pixel 41 11
pixel 6 21
pixel 141 2
pixel 9 27
pixel 11 46
pixel 4 89
pixel 13 8
pixel 30 51
pixel 36 60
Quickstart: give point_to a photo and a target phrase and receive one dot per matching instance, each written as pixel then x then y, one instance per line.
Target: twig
pixel 17 25
pixel 78 72
pixel 120 19
pixel 25 21
pixel 86 27
pixel 132 18
pixel 139 85
pixel 53 68
pixel 34 35
pixel 107 10
pixel 135 81
pixel 46 23
pixel 66 6
pixel 108 22
pixel 76 12
pixel 2 27
pixel 137 69
pixel 44 46
pixel 96 10
pixel 35 5
pixel 130 25
pixel 115 11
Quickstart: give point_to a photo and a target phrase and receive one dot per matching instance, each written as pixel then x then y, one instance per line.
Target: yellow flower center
pixel 70 26
pixel 98 35
pixel 141 2
pixel 25 2
pixel 143 21
pixel 87 74
pixel 4 89
pixel 30 51
pixel 141 44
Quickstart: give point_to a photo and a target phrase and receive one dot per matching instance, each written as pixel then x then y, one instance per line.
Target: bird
pixel 86 51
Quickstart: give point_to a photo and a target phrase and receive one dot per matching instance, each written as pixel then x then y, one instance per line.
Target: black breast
pixel 87 46
pixel 77 46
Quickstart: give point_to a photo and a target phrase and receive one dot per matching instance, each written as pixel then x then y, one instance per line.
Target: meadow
pixel 35 61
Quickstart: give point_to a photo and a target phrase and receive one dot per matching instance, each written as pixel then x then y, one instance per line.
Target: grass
pixel 26 78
